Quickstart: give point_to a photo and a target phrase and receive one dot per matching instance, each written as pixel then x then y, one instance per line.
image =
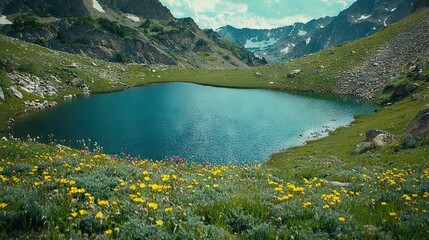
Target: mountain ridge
pixel 141 31
pixel 362 18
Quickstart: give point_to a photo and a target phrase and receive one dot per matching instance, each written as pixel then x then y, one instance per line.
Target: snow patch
pixel 302 33
pixel 252 44
pixel 288 48
pixel 4 20
pixel 97 6
pixel 285 50
pixel 393 10
pixel 363 17
pixel 133 17
pixel 307 41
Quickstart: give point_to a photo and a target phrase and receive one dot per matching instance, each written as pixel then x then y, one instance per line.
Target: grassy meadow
pixel 322 190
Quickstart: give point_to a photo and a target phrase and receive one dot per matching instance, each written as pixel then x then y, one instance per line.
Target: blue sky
pixel 254 13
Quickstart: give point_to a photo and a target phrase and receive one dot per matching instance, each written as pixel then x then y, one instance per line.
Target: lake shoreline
pixel 282 101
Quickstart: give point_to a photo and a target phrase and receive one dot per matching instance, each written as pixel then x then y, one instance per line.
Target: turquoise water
pixel 200 123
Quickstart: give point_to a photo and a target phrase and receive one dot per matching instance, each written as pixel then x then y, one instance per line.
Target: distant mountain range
pixel 361 19
pixel 142 31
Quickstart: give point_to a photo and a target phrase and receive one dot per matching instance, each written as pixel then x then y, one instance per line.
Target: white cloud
pixel 344 3
pixel 216 13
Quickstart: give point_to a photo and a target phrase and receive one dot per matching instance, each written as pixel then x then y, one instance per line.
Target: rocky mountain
pixel 361 19
pixel 142 31
pixel 273 44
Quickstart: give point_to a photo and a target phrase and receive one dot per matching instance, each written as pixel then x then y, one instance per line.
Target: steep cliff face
pixel 147 9
pixel 56 8
pixel 141 31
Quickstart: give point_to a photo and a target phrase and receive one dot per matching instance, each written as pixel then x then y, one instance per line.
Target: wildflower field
pixel 55 192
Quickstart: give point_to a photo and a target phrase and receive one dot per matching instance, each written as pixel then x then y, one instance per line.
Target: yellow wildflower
pixel 306 205
pixel 168 210
pixel 147 179
pixel 139 200
pixel 341 219
pixel 3 205
pixel 99 215
pixel 103 203
pixel 392 214
pixel 383 203
pixel 154 206
pixel 83 212
pixel 326 206
pixel 109 232
pixel 159 223
pixel 74 214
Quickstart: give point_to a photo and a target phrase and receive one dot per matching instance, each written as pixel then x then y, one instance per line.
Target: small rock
pixel 337 184
pixel 371 134
pixel 294 73
pixel 258 74
pixel 405 89
pixel 16 93
pixel 73 65
pixel 383 140
pixel 2 98
pixel 77 83
pixel 8 65
pixel 68 97
pixel 362 147
pixel 418 96
pixel 375 64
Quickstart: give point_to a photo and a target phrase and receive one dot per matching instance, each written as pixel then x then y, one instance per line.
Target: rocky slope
pixel 142 31
pixel 402 53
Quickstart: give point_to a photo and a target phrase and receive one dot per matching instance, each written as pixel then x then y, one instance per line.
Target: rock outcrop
pixel 418 129
pixel 365 80
pixel 156 37
pixel 146 9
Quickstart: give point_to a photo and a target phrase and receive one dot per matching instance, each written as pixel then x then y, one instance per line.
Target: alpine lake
pixel 199 123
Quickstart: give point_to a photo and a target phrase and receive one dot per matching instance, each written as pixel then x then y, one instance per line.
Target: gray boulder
pixel 16 93
pixel 404 90
pixel 294 73
pixel 77 83
pixel 418 129
pixel 371 134
pixel 1 95
pixel 362 147
pixel 383 140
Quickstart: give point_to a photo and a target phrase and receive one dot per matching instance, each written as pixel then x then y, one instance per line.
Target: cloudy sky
pixel 254 13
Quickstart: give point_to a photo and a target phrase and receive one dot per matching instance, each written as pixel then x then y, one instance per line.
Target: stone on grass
pixel 418 129
pixel 383 140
